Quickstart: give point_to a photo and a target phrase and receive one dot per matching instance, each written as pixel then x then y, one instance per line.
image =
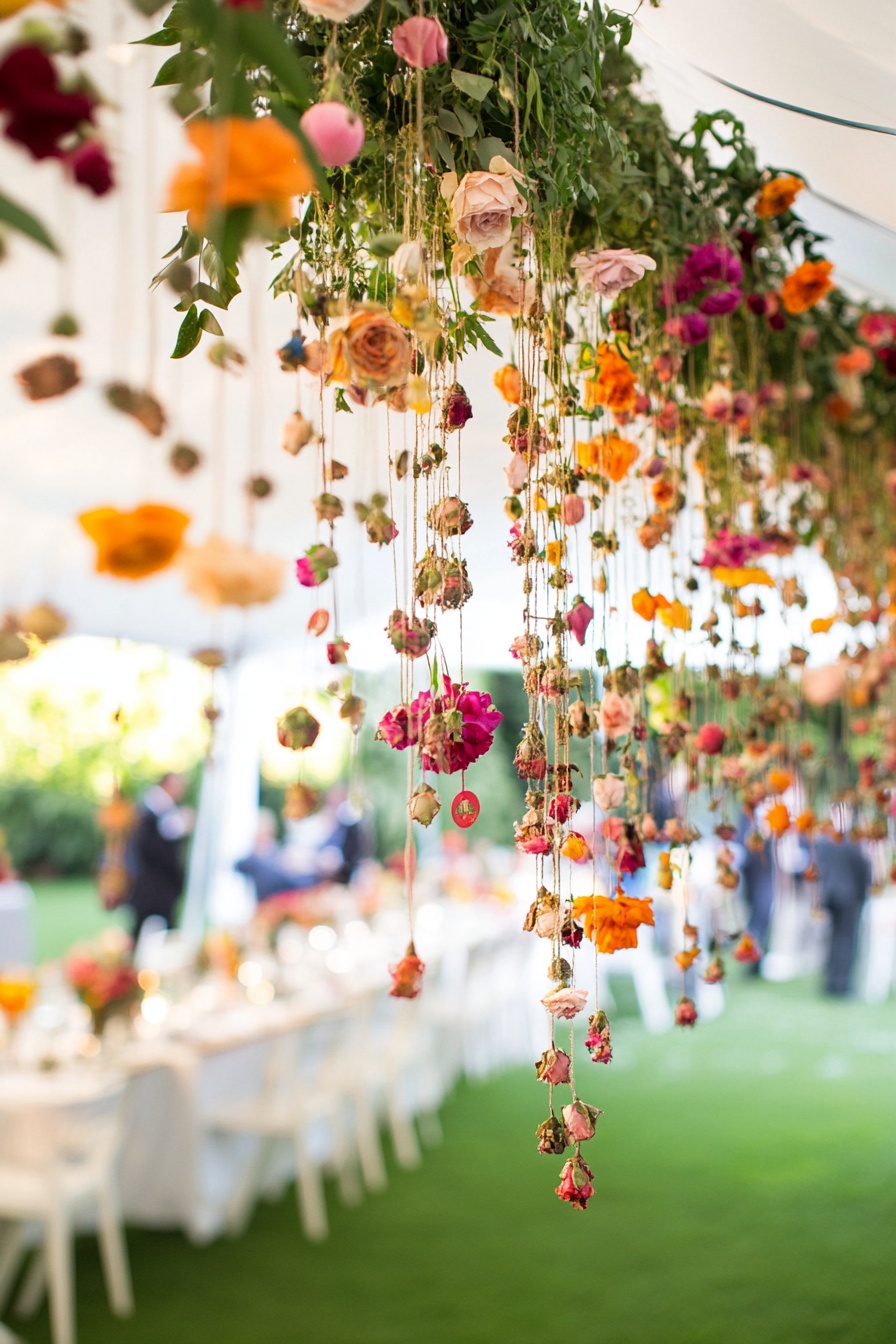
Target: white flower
pixel 337 11
pixel 608 791
pixel 407 262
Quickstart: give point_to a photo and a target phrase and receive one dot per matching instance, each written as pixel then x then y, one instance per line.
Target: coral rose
pixel 565 1002
pixel 805 286
pixel 376 348
pixel 710 739
pixel 224 573
pixel 613 269
pixel 243 161
pixel 508 380
pixel 503 288
pixel 421 41
pixel 617 715
pixel 580 1120
pixel 483 208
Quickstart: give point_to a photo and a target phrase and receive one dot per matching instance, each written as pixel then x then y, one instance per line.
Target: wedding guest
pixel 266 867
pixel 155 858
pixel 844 876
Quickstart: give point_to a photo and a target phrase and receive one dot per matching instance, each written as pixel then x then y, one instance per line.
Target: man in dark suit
pixel 844 875
pixel 155 852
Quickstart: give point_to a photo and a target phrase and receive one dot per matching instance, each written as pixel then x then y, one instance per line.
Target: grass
pixel 745 1194
pixel 67 911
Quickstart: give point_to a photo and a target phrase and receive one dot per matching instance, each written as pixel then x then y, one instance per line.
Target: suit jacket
pixel 156 865
pixel 844 872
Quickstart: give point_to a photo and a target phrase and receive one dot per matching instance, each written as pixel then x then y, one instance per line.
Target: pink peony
pixel 613 269
pixel 565 1002
pixel 579 617
pixel 421 41
pixel 580 1119
pixel 710 739
pixel 617 715
pixel 335 131
pixel 575 1183
pixel 458 727
pixel 690 329
pixel 553 1067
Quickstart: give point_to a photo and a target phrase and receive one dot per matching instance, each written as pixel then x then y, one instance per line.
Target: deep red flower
pixel 91 167
pixel 41 113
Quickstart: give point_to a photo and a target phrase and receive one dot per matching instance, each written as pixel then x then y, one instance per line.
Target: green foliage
pixel 49 829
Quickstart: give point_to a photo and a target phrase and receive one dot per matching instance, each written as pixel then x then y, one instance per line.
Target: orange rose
pixel 805 286
pixel 613 924
pixel 243 161
pixel 857 360
pixel 645 605
pixel 133 545
pixel 664 493
pixel 609 455
pixel 508 380
pixel 778 195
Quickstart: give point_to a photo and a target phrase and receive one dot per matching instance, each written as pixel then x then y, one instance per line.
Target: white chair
pixel 51 1173
pixel 304 1098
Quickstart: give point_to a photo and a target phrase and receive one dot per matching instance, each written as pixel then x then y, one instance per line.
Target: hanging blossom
pixel 452 729
pixel 733 550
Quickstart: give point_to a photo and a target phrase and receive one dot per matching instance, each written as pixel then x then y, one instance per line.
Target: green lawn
pixel 746 1195
pixel 67 911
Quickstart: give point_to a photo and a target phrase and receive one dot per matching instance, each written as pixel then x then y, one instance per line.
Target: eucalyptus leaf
pixel 384 245
pixel 208 322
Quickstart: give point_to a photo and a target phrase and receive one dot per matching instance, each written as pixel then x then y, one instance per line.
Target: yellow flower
pixel 554 552
pixel 675 616
pixel 575 847
pixel 417 395
pixel 822 624
pixel 136 544
pixel 645 605
pixel 539 503
pixel 509 383
pixel 742 576
pixel 243 161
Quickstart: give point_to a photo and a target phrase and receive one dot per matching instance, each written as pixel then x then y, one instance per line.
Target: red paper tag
pixel 465 809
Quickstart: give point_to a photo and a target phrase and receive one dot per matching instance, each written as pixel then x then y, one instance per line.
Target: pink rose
pixel 579 617
pixel 335 131
pixel 617 715
pixel 548 923
pixel 580 1119
pixel 573 509
pixel 421 41
pixel 483 208
pixel 565 1002
pixel 517 472
pixel 575 1183
pixel 613 269
pixel 553 1067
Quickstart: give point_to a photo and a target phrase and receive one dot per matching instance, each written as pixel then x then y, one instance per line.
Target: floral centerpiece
pixel 103 976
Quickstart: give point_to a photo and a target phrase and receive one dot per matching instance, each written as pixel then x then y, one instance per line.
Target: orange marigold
pixel 609 455
pixel 135 544
pixel 778 819
pixel 778 195
pixel 242 161
pixel 742 576
pixel 613 384
pixel 664 493
pixel 779 781
pixel 803 288
pixel 645 605
pixel 806 822
pixel 613 924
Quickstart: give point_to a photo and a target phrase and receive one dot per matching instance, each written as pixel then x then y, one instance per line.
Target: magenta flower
pixel 456 408
pixel 721 302
pixel 578 618
pixel 454 728
pixel 313 568
pixel 41 114
pixel 91 168
pixel 690 328
pixel 732 550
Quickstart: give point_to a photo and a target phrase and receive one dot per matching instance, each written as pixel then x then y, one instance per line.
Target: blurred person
pixel 265 867
pixel 155 858
pixel 844 877
pixel 329 844
pixel 757 872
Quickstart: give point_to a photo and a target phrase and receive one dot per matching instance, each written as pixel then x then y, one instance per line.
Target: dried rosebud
pixel 44 621
pixel 211 658
pixel 259 487
pixel 65 324
pixel 575 1183
pixel 456 408
pixel 337 651
pixel 318 621
pixel 328 507
pixel 297 729
pixel 142 406
pixel 685 1012
pixel 407 975
pixel 553 1067
pixel 297 434
pixel 597 1038
pixel 409 635
pixel 299 802
pixel 352 710
pixel 183 459
pixel 50 376
pixel 551 1136
pixel 424 804
pixel 580 1120
pixel 450 517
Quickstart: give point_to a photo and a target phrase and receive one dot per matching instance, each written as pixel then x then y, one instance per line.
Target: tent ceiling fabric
pixel 60 457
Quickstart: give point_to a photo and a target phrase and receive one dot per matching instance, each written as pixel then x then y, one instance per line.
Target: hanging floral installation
pixel 693 407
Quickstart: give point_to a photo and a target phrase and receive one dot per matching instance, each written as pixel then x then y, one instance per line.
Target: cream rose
pixel 608 791
pixel 483 209
pixel 336 11
pixel 613 269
